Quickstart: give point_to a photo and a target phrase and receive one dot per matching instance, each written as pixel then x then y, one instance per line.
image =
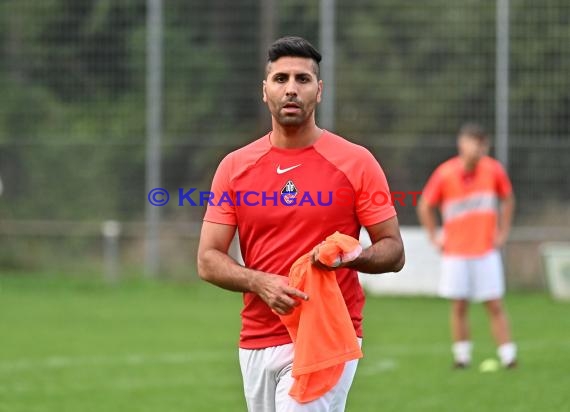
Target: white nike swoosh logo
pixel 281 171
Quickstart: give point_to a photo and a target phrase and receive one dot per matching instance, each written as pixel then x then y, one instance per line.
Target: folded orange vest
pixel 321 328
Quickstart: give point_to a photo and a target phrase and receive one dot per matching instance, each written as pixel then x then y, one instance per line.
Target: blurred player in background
pixel 474 195
pixel 294 159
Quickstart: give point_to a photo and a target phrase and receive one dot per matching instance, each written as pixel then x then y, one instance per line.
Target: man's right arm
pixel 217 267
pixel 428 218
pixel 214 263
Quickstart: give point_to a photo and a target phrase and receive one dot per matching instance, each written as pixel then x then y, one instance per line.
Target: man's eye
pixel 280 79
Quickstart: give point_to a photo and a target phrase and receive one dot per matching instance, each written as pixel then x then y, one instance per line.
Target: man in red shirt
pixel 285 193
pixel 469 190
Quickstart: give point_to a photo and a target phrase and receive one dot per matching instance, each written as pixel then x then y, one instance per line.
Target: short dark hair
pixel 293 46
pixel 473 130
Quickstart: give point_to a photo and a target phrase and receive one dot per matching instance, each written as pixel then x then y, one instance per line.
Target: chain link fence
pixel 407 75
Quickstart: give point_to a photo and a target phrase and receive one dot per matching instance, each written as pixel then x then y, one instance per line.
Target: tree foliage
pixel 72 75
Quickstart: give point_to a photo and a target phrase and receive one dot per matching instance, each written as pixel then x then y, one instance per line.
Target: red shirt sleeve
pixel 222 211
pixel 373 202
pixel 374 205
pixel 504 186
pixel 433 190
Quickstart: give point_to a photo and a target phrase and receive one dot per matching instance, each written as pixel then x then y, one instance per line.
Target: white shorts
pixel 478 279
pixel 267 380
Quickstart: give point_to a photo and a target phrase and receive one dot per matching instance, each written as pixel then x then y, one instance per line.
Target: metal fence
pixel 77 109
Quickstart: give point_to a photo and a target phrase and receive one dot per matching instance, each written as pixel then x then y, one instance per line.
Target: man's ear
pixel 264 93
pixel 319 91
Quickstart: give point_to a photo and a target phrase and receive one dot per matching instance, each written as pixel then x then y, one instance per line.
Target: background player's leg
pixel 499 322
pixel 454 285
pixel 460 332
pixel 501 332
pixel 489 286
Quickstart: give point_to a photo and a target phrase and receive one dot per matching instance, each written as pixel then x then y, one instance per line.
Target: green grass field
pixel 77 345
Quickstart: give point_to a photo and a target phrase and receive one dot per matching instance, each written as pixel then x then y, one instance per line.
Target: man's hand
pixel 437 241
pixel 501 239
pixel 275 291
pixel 338 263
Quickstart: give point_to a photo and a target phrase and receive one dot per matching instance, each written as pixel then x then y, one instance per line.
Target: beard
pixel 292 120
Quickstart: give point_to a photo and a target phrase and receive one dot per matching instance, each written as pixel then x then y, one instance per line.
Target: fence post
pixel 111 230
pixel 502 84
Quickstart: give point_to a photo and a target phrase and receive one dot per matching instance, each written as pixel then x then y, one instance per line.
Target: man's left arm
pixel 506 212
pixel 504 190
pixel 386 254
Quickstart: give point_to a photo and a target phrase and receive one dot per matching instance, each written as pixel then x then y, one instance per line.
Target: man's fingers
pixel 321 265
pixel 283 310
pixel 297 293
pixel 284 298
pixel 285 305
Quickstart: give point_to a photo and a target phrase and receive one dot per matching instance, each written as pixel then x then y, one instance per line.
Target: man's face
pixel 472 148
pixel 292 90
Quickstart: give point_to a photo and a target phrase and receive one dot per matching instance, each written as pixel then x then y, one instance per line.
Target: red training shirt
pixel 286 201
pixel 469 203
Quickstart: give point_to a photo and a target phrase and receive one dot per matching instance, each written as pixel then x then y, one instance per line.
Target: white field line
pixel 134 359
pixel 58 362
pixel 445 347
pixel 388 362
pixel 125 383
pixel 17 384
pixel 382 366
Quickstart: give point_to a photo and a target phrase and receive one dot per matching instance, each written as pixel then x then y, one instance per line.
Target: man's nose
pixel 291 89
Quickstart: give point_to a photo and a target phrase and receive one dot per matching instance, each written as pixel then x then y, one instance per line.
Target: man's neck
pixel 469 165
pixel 294 137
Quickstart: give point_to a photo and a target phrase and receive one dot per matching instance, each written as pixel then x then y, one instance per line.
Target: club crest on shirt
pixel 289 192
